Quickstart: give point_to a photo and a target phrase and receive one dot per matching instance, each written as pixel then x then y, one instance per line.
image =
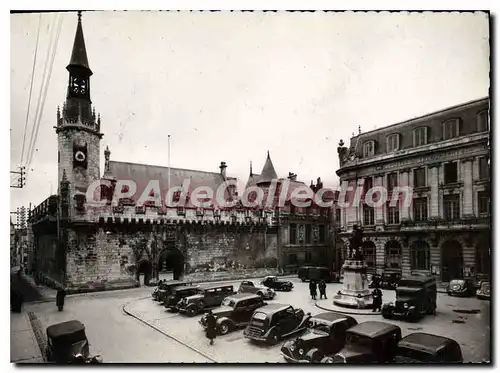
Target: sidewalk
pixel 23 344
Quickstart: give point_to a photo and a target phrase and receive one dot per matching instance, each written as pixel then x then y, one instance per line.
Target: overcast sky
pixel 230 86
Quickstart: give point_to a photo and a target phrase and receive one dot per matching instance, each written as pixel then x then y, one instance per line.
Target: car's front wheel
pixel 274 337
pixel 224 328
pixel 191 312
pixel 327 360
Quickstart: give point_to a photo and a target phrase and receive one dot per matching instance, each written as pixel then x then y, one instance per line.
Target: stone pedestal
pixel 355 292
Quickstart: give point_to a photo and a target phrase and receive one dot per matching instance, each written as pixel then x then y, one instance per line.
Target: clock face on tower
pixel 79 86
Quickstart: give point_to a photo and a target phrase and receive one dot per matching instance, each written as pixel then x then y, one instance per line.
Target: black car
pixel 415 298
pixel 308 273
pixel 67 344
pixel 178 293
pixel 235 312
pixel 276 284
pixel 428 348
pixel 273 322
pixel 461 288
pixel 368 342
pixel 484 291
pixel 164 289
pixel 209 296
pixel 325 335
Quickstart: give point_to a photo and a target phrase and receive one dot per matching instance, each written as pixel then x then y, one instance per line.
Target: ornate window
pixel 420 209
pixel 368 184
pixel 392 214
pixel 419 177
pixel 420 136
pixel 369 149
pixel 392 181
pixel 451 204
pixel 369 253
pixel 293 234
pixel 338 215
pixel 368 215
pixel 482 121
pixel 451 129
pixel 483 202
pixel 484 168
pixel 420 256
pixel 393 254
pixel 450 172
pixel 392 143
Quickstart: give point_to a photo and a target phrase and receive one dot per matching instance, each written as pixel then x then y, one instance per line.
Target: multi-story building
pixel 441 160
pixel 82 245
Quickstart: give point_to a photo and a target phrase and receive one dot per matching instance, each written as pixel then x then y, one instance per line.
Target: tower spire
pixel 251 173
pixel 79 62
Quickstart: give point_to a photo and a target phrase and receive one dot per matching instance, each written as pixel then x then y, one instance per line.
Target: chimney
pixel 292 176
pixel 223 167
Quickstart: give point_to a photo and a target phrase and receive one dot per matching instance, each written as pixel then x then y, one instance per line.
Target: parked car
pixel 273 322
pixel 235 312
pixel 428 348
pixel 390 279
pixel 308 273
pixel 207 297
pixel 165 288
pixel 67 344
pixel 251 288
pixel 484 291
pixel 415 297
pixel 178 293
pixel 325 335
pixel 461 288
pixel 368 342
pixel 276 284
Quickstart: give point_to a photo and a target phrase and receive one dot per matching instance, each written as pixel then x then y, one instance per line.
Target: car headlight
pixel 405 305
pixel 301 352
pixel 292 348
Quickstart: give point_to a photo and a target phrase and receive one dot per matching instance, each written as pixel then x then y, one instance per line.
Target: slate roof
pixel 268 172
pixel 79 54
pixel 141 174
pixel 253 179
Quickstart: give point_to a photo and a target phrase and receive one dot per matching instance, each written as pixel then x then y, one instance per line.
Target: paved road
pixel 121 338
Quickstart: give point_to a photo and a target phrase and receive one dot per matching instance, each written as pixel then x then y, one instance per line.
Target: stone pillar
pixel 468 194
pixel 469 254
pixel 380 256
pixel 434 181
pixel 405 258
pixel 379 211
pixel 358 194
pixel 405 183
pixel 350 209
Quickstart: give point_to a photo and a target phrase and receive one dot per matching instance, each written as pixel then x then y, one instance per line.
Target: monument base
pixel 355 292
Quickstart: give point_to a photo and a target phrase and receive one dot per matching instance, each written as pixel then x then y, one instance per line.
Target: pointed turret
pixel 268 172
pixel 79 62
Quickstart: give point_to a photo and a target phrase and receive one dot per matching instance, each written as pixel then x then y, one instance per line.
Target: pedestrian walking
pixel 322 289
pixel 377 299
pixel 313 289
pixel 211 332
pixel 16 301
pixel 61 294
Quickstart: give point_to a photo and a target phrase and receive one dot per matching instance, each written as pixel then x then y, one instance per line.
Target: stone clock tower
pixel 78 130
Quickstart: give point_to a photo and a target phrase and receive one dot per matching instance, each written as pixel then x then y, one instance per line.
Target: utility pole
pixel 21 179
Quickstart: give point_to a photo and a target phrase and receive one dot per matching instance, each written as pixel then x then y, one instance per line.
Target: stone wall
pixel 98 255
pixel 46 256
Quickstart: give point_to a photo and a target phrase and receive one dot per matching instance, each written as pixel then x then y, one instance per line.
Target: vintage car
pixel 235 312
pixel 67 344
pixel 276 284
pixel 484 291
pixel 461 288
pixel 375 280
pixel 273 322
pixel 208 297
pixel 164 289
pixel 308 273
pixel 415 297
pixel 368 342
pixel 250 288
pixel 178 293
pixel 325 336
pixel 428 348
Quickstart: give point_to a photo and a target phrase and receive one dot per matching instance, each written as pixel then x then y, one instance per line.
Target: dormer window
pixel 482 121
pixel 368 149
pixel 392 143
pixel 451 129
pixel 420 136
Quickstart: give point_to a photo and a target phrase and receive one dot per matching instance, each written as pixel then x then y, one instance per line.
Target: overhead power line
pixel 47 84
pixel 31 87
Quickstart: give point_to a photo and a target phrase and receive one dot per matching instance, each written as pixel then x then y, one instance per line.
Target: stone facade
pixel 441 163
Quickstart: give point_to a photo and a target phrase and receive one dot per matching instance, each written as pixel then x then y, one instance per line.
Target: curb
pixel 129 313
pixel 36 327
pixel 346 311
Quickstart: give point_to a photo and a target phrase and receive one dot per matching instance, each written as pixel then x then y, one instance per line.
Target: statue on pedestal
pixel 356 244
